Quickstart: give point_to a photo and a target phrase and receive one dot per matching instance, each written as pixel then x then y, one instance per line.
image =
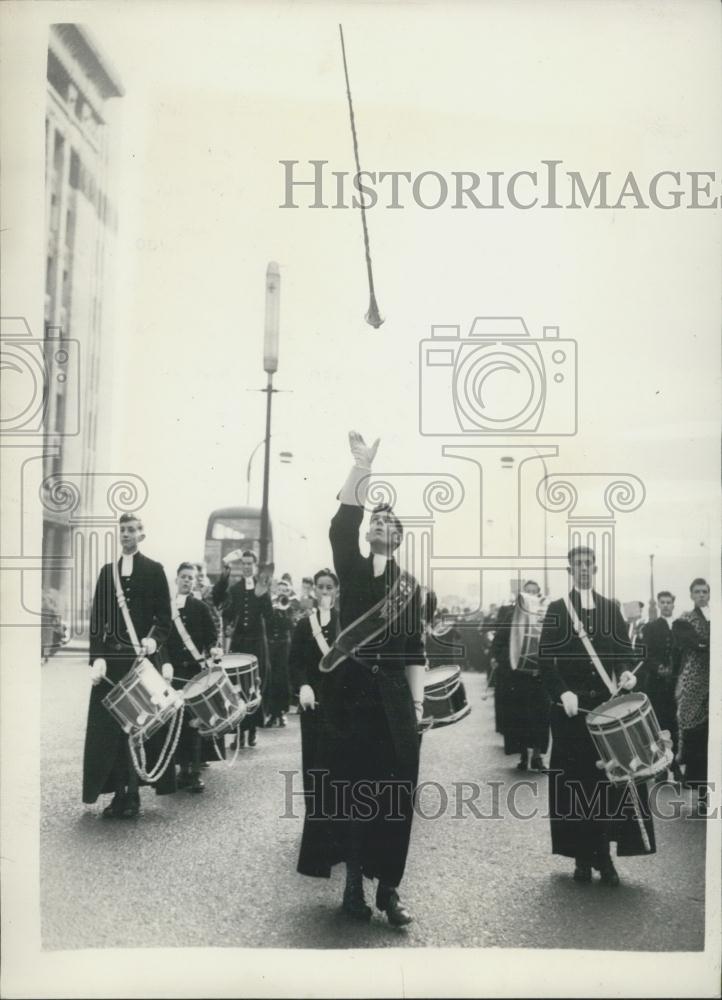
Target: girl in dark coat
pixel 306 678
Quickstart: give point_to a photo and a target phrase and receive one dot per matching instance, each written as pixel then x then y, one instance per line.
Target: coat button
pixel 375 668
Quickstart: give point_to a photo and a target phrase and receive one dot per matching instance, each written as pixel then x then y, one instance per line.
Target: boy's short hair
pixel 387 508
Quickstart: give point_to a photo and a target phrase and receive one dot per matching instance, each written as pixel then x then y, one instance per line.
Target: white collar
pixel 705 611
pixel 324 616
pixel 126 564
pixel 667 620
pixel 180 600
pixel 586 598
pixel 249 583
pixel 379 562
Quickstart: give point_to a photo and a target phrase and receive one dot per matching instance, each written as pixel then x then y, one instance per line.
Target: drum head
pixel 441 675
pixel 201 682
pixel 617 708
pixel 239 661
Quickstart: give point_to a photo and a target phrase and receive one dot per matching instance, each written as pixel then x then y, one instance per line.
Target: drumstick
pixel 590 711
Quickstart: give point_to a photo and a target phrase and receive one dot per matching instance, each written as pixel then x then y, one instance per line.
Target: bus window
pixel 233 528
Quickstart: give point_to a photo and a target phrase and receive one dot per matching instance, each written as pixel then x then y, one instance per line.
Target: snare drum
pixel 213 701
pixel 628 739
pixel 245 676
pixel 142 702
pixel 445 699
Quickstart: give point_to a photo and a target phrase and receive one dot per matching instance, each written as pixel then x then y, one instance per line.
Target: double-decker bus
pixel 232 528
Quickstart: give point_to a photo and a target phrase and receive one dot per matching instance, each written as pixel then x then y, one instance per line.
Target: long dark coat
pixel 247 614
pixel 523 702
pixel 565 666
pixel 659 675
pixel 303 661
pixel 105 759
pixel 369 731
pixel 200 625
pixel 279 629
pixel 691 638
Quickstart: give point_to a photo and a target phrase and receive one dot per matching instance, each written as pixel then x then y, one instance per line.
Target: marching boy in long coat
pixel 106 761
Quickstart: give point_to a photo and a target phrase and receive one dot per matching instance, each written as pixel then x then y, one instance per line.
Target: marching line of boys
pixel 360 712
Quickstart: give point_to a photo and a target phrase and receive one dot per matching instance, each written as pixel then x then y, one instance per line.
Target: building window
pixel 74 169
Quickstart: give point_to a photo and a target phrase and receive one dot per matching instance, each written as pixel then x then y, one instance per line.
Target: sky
pixel 214 102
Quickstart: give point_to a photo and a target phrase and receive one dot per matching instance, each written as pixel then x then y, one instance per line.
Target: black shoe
pixel 537 764
pixel 196 784
pixel 205 764
pixel 183 780
pixel 522 765
pixel 252 738
pixel 281 721
pixel 115 809
pixel 354 905
pixel 396 912
pixel 582 872
pixel 132 806
pixel 608 872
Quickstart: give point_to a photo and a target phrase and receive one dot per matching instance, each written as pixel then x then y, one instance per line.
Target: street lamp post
pixel 248 470
pixel 270 366
pixel 286 458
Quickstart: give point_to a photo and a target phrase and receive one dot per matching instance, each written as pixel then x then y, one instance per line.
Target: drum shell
pixel 142 702
pixel 245 676
pixel 445 700
pixel 631 742
pixel 215 705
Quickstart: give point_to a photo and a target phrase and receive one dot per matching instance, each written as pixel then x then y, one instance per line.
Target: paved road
pixel 219 868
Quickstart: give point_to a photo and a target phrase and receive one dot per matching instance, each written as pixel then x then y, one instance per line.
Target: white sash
pixel 120 597
pixel 183 633
pixel 586 642
pixel 318 635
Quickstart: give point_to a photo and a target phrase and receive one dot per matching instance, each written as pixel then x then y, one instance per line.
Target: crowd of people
pixel 350 650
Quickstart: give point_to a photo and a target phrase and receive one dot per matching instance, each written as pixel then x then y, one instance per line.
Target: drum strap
pixel 587 643
pixel 120 598
pixel 185 636
pixel 370 625
pixel 317 633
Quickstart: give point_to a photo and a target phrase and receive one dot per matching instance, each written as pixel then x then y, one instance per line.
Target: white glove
pixel 167 672
pixel 216 653
pixel 570 703
pixel 627 681
pixel 306 697
pixel 363 454
pixel 98 671
pixel 148 645
pixel 232 557
pixel 419 709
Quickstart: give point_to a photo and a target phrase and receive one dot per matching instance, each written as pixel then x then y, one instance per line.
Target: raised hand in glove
pixel 306 697
pixel 232 557
pixel 148 645
pixel 627 680
pixel 363 454
pixel 98 671
pixel 570 703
